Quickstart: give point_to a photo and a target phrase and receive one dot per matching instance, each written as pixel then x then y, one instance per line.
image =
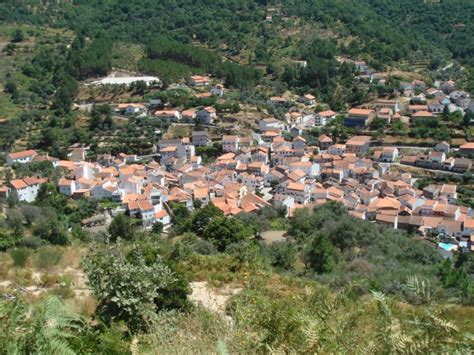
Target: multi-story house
pixel 67 187
pixel 299 192
pixel 309 168
pixel 230 144
pixel 168 115
pixel 200 139
pixel 308 99
pixel 324 142
pixel 389 154
pixel 189 115
pixel 357 117
pixel 132 109
pixel 25 189
pixel 198 80
pixel 324 117
pixel 206 115
pixel 359 145
pixel 337 149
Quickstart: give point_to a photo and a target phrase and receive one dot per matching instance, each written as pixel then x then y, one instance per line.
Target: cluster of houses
pixel 203 115
pixel 436 159
pixel 414 99
pixel 429 104
pixel 260 171
pixel 155 109
pixel 415 102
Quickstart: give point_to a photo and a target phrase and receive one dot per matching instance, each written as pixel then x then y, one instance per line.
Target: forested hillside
pixel 246 39
pixel 391 30
pixel 384 29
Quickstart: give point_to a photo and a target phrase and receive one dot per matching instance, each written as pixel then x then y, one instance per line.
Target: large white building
pixel 149 80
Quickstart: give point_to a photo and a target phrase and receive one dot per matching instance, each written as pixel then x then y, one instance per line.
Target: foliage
pixel 165 56
pixel 209 154
pixel 321 255
pixel 47 256
pixel 7 240
pixel 17 36
pixel 15 222
pixel 47 327
pixel 223 232
pixel 20 256
pixel 126 287
pixel 283 255
pixel 264 219
pixel 89 59
pixel 121 227
pixel 101 117
pixel 157 228
pixel 180 217
pixel 202 217
pixel 52 232
pixel 346 249
pixel 377 123
pixel 433 333
pixel 457 278
pixel 309 319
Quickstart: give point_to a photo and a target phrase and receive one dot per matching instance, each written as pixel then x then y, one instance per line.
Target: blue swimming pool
pixel 447 246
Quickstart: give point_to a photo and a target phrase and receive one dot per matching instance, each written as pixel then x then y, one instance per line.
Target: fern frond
pixel 421 289
pixel 222 347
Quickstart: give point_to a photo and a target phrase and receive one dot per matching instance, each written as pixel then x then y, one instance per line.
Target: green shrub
pixel 7 241
pixel 219 267
pixel 204 247
pixel 127 288
pixel 20 256
pixel 282 255
pixel 121 227
pixel 278 224
pixel 33 242
pixel 47 257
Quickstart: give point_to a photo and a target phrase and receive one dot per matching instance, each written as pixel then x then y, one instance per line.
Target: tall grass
pixel 20 256
pixel 47 257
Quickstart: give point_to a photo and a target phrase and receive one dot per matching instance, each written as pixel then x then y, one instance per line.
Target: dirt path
pixel 212 299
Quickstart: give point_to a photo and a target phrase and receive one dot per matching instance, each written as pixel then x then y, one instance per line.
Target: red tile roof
pixel 23 154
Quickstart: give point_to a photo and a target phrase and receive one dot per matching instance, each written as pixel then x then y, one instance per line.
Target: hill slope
pixel 384 29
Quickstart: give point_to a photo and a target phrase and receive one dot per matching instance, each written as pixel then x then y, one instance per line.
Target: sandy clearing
pixel 270 237
pixel 212 299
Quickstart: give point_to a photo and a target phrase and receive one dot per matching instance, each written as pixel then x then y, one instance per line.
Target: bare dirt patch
pixel 270 237
pixel 210 298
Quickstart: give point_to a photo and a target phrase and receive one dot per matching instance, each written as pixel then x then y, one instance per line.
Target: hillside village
pixel 237 177
pixel 275 165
